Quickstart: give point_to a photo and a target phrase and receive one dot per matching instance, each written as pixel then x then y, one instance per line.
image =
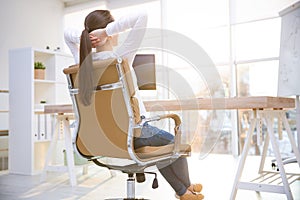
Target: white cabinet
pixel 29 129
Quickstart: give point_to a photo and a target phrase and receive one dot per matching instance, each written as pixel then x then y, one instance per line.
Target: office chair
pixel 107 127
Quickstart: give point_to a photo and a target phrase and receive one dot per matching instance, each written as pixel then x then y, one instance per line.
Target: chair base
pixel 128 199
pixel 131 188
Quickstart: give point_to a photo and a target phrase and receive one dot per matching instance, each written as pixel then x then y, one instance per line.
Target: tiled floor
pixel 215 172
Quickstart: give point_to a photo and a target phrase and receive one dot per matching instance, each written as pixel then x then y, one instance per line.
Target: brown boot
pixel 192 197
pixel 195 188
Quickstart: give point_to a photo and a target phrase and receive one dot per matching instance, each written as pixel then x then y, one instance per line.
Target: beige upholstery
pixel 103 125
pixel 150 151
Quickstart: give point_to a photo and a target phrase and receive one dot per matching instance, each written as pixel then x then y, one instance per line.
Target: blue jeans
pixel 176 173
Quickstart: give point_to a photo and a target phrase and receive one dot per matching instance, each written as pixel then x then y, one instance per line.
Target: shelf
pixel 46 52
pixel 44 81
pixel 38 111
pixel 42 140
pixel 36 136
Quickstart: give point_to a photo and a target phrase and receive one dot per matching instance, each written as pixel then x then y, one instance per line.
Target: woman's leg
pixel 181 170
pixel 153 136
pixel 177 175
pixel 177 185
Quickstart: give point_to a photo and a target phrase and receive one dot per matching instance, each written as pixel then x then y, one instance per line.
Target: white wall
pixel 37 23
pixel 28 23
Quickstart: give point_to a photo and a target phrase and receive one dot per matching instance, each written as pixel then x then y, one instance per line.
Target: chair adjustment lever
pixel 155 181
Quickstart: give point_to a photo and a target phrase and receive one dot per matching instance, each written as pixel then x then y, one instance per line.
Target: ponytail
pixel 95 20
pixel 86 83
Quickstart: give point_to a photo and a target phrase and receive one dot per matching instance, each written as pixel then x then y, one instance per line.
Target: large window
pixel 206 24
pixel 243 40
pixel 254 40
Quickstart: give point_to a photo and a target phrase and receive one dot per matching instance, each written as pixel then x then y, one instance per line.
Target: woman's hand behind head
pixel 98 37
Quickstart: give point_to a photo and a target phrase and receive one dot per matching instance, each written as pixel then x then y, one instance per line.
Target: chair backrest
pixel 105 123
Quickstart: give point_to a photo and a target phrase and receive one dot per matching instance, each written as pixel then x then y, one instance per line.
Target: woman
pixel 101 32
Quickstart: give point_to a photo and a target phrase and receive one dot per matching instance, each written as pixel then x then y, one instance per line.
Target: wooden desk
pixel 260 102
pixel 264 108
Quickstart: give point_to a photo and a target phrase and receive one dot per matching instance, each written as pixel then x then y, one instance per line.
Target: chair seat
pixel 156 151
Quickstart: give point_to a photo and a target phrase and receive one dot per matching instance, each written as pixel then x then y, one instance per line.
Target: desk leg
pixel 269 120
pixel 50 150
pixel 265 146
pixel 291 138
pixel 264 154
pixel 69 152
pixel 262 186
pixel 61 120
pixel 243 158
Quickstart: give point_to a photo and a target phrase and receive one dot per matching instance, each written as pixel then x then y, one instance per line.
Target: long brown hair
pixel 95 20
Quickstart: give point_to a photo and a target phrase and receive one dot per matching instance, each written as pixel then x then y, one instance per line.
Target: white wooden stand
pixel 62 126
pixel 268 180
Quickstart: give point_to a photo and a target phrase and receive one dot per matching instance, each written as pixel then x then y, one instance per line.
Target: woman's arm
pixel 72 39
pixel 137 23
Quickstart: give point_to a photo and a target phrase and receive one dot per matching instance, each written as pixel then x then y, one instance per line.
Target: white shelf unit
pixel 29 129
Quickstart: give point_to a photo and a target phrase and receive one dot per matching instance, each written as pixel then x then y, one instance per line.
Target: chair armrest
pixel 177 131
pixel 175 117
pixel 148 154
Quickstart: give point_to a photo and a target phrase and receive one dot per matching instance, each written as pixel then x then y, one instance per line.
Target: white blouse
pixel 136 22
